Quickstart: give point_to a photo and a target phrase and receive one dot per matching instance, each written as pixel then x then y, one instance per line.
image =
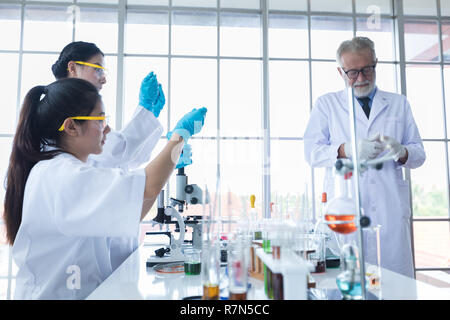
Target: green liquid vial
pixel 266 246
pixel 268 289
pixel 192 269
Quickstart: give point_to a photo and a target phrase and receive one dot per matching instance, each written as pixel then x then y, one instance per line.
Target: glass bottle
pixel 332 249
pixel 349 281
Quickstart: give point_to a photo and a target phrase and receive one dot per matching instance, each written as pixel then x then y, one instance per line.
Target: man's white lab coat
pixel 384 193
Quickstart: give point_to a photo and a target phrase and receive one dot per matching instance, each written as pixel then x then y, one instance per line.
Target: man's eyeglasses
pixel 366 71
pixel 103 120
pixel 99 69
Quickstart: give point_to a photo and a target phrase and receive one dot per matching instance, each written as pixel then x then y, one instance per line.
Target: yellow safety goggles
pixel 102 118
pixel 99 69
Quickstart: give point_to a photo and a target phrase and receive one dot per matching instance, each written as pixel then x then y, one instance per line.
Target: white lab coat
pixel 384 193
pixel 128 149
pixel 125 150
pixel 70 210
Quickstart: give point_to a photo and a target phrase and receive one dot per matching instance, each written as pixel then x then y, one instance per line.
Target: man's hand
pixel 398 151
pixel 367 148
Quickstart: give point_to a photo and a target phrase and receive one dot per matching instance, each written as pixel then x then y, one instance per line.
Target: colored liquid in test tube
pixel 266 245
pixel 268 288
pixel 277 283
pixel 277 278
pixel 265 231
pixel 276 252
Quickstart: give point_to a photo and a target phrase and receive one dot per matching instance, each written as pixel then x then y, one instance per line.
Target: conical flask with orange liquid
pixel 341 211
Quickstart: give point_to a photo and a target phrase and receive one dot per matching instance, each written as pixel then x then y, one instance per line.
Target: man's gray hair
pixel 354 45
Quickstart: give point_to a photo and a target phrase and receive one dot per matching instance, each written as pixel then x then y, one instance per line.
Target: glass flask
pixel 349 281
pixel 340 211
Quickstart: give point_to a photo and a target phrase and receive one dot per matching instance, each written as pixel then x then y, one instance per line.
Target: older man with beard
pixel 384 123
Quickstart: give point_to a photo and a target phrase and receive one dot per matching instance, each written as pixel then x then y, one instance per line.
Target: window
pixel 240 35
pixel 9 63
pixel 10 20
pixel 210 53
pixel 327 33
pixel 289 98
pixel 194 33
pixel 49 24
pixel 104 22
pixel 147 32
pixel 426 51
pixel 240 107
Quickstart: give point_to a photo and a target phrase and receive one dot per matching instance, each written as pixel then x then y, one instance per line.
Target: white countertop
pixel 134 281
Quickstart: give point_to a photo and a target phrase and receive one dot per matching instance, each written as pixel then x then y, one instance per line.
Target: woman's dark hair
pixel 74 51
pixel 37 130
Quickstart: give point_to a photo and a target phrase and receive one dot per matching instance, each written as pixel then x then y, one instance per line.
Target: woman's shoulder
pixel 56 166
pixel 59 159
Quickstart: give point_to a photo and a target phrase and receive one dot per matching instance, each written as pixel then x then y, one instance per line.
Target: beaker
pixel 211 269
pixel 192 263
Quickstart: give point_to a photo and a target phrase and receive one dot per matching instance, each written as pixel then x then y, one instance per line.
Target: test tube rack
pixel 294 269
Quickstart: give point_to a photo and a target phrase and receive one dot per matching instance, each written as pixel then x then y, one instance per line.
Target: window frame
pixel 264 12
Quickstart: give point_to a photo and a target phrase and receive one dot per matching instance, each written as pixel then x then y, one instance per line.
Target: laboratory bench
pixel 133 280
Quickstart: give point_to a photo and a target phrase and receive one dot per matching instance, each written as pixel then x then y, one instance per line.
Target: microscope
pixel 185 194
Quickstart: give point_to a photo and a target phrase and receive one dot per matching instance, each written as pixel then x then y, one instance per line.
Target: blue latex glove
pixel 151 95
pixel 191 123
pixel 185 157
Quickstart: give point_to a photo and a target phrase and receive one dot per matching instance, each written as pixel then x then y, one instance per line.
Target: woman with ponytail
pixel 60 210
pixel 36 138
